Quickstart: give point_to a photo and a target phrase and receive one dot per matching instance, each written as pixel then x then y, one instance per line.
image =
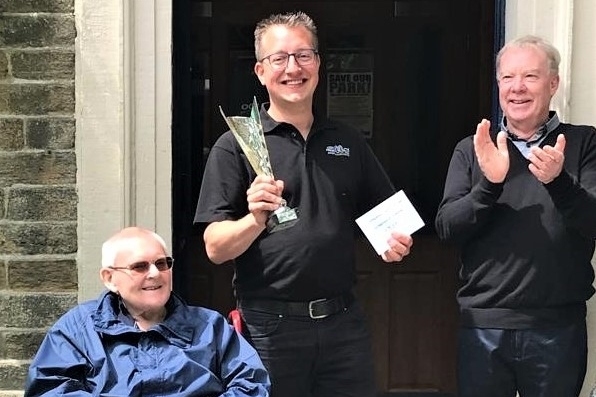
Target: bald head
pixel 120 240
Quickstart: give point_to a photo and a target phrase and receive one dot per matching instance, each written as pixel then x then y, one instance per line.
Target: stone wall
pixel 38 196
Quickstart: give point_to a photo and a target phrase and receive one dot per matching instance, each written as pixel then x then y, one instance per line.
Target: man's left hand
pixel 399 247
pixel 547 163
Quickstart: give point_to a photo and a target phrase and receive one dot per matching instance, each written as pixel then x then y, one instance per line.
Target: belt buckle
pixel 311 310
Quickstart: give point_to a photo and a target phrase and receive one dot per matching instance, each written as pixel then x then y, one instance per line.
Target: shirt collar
pixel 267 121
pixel 269 124
pixel 551 124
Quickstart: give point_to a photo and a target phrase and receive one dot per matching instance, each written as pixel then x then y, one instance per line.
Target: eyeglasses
pixel 280 60
pixel 162 264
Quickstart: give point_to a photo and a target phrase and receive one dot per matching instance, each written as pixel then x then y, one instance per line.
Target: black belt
pixel 315 309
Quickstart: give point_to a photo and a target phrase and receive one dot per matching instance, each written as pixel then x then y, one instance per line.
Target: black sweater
pixel 525 247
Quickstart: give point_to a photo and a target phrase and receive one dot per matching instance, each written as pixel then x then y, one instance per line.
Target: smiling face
pixel 291 87
pixel 144 295
pixel 526 86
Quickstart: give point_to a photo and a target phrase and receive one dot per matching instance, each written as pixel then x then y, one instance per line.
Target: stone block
pixel 64 6
pixel 13 374
pixel 36 30
pixel 21 344
pixel 12 136
pixel 42 203
pixel 43 65
pixel 3 279
pixel 3 65
pixel 37 99
pixel 42 275
pixel 50 133
pixel 38 238
pixel 34 310
pixel 37 168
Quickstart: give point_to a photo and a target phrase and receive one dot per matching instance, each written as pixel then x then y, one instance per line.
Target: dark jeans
pixel 545 362
pixel 329 357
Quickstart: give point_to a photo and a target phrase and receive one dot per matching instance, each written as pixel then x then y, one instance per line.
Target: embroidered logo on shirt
pixel 338 150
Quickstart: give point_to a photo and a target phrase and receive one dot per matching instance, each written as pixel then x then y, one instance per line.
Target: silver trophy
pixel 248 131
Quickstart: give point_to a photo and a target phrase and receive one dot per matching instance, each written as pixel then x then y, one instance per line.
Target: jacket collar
pixel 112 318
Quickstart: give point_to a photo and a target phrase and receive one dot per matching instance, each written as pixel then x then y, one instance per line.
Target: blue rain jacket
pixel 96 350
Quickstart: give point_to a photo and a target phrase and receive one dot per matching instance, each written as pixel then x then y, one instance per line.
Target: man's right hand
pixel 493 160
pixel 264 196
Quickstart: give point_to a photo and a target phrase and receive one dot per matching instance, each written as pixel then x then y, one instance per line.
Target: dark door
pixel 419 78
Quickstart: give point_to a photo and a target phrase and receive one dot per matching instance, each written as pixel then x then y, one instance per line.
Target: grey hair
pixel 291 20
pixel 552 54
pixel 111 247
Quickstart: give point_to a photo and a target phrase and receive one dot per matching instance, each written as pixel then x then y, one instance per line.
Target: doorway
pixel 426 73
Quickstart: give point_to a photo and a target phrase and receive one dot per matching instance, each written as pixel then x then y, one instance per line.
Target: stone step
pixel 11 393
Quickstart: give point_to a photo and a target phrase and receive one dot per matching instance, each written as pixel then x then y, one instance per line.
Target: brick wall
pixel 38 197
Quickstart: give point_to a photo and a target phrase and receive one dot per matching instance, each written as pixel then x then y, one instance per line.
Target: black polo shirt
pixel 331 178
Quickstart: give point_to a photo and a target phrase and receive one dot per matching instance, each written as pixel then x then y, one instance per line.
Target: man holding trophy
pixel 280 195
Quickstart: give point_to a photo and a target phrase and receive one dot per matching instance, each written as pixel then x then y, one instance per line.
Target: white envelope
pixel 394 214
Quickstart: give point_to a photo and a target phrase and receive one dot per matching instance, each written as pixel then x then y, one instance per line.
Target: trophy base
pixel 282 218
